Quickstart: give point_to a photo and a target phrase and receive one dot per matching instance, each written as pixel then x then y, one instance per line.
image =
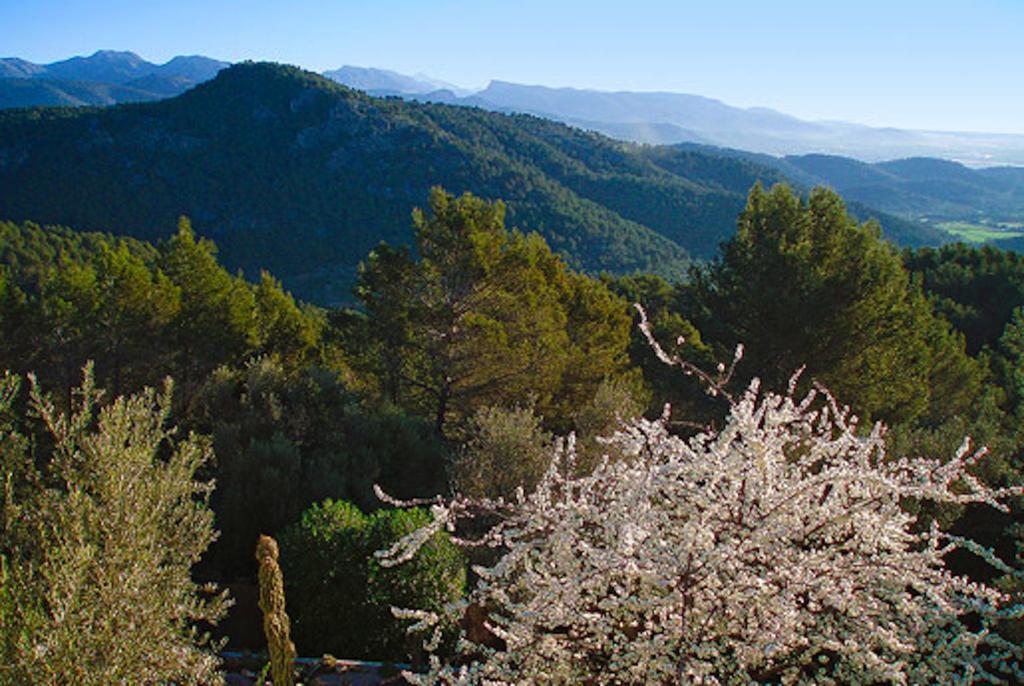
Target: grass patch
pixel 978 233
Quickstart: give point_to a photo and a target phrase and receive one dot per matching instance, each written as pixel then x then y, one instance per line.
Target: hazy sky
pixel 936 64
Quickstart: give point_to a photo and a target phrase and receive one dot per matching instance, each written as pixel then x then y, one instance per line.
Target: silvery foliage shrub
pixel 506 448
pixel 98 544
pixel 773 549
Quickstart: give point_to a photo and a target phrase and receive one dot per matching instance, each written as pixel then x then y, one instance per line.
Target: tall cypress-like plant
pixel 275 617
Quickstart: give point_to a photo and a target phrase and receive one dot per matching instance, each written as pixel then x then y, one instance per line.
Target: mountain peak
pixel 115 55
pixel 15 67
pixel 194 67
pixel 250 69
pixel 268 85
pixel 105 77
pixel 105 66
pixel 381 81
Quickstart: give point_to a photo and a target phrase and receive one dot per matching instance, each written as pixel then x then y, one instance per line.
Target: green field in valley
pixel 980 233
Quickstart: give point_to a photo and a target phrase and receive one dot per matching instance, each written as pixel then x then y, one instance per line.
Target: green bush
pixel 340 598
pixel 287 439
pixel 434 578
pixel 324 565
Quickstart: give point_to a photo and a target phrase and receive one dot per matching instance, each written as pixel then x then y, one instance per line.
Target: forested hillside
pixel 914 189
pixel 469 354
pixel 291 172
pixel 411 373
pixel 665 118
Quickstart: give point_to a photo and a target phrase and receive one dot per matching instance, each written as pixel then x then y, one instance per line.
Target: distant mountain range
pixel 110 77
pixel 669 118
pixel 918 188
pixel 291 172
pixel 383 82
pixel 106 77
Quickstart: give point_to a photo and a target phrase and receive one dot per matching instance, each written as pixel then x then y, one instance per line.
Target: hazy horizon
pixel 941 66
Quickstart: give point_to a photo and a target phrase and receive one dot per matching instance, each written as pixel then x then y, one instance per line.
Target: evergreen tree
pixel 484 317
pixel 15 324
pixel 383 340
pixel 975 288
pixel 216 322
pixel 282 328
pixel 802 283
pixel 667 313
pixel 133 304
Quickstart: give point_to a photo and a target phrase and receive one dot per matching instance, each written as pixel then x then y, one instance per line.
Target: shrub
pixel 100 544
pixel 288 439
pixel 614 403
pixel 339 597
pixel 436 578
pixel 506 448
pixel 324 565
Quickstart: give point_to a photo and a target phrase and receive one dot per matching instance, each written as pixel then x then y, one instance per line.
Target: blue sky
pixel 934 65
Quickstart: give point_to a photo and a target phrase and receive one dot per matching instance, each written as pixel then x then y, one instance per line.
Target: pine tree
pixel 484 316
pixel 802 283
pixel 216 323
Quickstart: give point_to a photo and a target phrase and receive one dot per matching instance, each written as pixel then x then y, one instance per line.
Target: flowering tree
pixel 775 549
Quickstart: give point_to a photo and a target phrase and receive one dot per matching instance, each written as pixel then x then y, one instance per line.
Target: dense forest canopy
pixel 298 175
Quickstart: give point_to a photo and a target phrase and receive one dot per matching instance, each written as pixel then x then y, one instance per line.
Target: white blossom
pixel 776 549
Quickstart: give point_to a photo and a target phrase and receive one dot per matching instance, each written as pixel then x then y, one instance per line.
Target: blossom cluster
pixel 777 549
